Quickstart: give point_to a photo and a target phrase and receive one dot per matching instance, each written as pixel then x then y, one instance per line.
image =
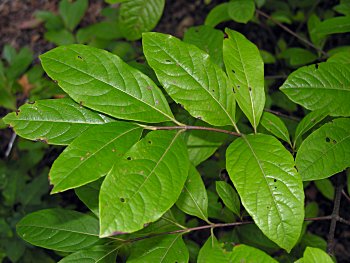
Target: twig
pixel 10 145
pixel 345 195
pixel 307 42
pixel 335 214
pixel 283 115
pixel 189 127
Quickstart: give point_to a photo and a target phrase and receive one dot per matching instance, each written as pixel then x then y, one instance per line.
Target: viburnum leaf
pixel 326 151
pixel 228 196
pixel 92 155
pixel 166 248
pixel 59 229
pixel 276 126
pixel 191 78
pixel 245 68
pixel 144 184
pixel 244 253
pixel 102 81
pixel 97 254
pixel 89 193
pixel 193 199
pixel 57 121
pixel 316 255
pixel 138 16
pixel 270 188
pixel 212 252
pixel 324 86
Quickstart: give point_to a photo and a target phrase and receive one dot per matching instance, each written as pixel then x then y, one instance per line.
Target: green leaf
pixel 103 82
pixel 89 194
pixel 316 255
pixel 316 38
pixel 90 157
pixel 326 151
pixel 241 11
pixel 298 56
pixel 138 16
pixel 59 229
pixel 245 68
pixel 60 37
pixel 144 184
pixel 275 126
pixel 228 196
pixel 207 39
pixel 72 12
pixel 202 144
pixel 168 248
pixel 326 188
pixel 321 86
pixel 267 57
pixel 334 25
pixel 57 121
pixel 212 252
pixel 343 7
pixel 97 254
pixel 243 253
pixel 270 188
pixel 19 63
pixel 193 199
pixel 340 57
pixel 218 15
pixel 191 78
pixel 307 123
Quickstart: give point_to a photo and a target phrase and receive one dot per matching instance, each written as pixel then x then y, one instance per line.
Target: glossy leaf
pixel 144 184
pixel 275 126
pixel 57 121
pixel 191 78
pixel 334 25
pixel 102 81
pixel 138 16
pixel 326 151
pixel 59 229
pixel 208 39
pixel 269 186
pixel 321 86
pixel 90 157
pixel 298 56
pixel 228 196
pixel 218 15
pixel 245 68
pixel 243 253
pixel 316 255
pixel 97 254
pixel 89 194
pixel 193 199
pixel 309 121
pixel 167 248
pixel 241 11
pixel 213 252
pixel 340 57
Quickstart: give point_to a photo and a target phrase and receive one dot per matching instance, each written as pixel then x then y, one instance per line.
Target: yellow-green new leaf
pixel 245 68
pixel 316 255
pixel 243 253
pixel 276 126
pixel 270 188
pixel 326 151
pixel 191 78
pixel 92 155
pixel 101 81
pixel 144 184
pixel 57 121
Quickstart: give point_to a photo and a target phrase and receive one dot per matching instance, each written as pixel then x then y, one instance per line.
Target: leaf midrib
pixel 168 248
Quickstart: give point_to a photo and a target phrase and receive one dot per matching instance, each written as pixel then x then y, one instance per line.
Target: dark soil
pixel 19 28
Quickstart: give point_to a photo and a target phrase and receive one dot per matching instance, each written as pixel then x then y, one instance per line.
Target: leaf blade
pixel 158 164
pixel 203 88
pixel 56 121
pixel 103 82
pixel 89 157
pixel 252 169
